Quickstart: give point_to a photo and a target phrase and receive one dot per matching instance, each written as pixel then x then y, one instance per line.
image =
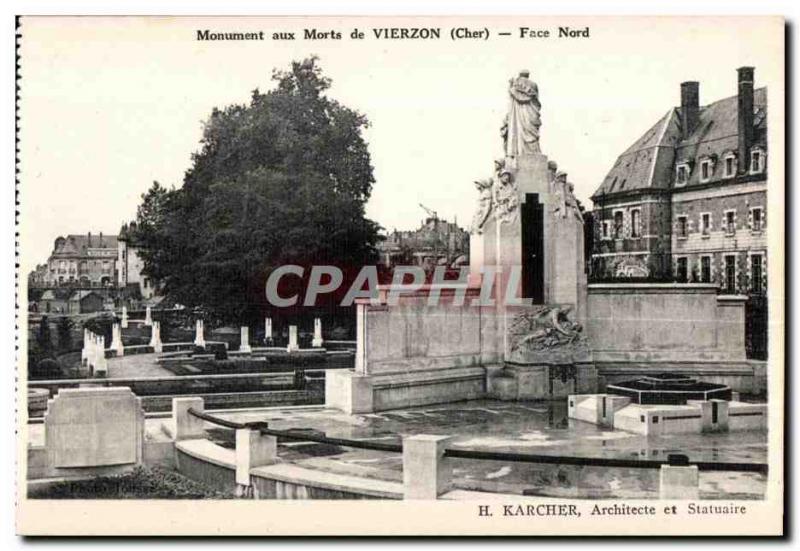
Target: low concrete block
pixel 93 427
pixel 427 474
pixel 187 427
pixel 348 391
pixel 253 449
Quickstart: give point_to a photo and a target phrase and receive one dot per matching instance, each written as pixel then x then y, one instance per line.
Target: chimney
pixel 745 117
pixel 101 240
pixel 89 240
pixel 690 107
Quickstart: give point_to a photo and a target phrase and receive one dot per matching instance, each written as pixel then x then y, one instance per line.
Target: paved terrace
pixel 536 428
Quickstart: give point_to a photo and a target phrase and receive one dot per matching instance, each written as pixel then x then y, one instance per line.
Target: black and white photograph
pixel 423 275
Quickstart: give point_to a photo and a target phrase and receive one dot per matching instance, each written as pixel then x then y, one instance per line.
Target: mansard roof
pixel 77 245
pixel 649 164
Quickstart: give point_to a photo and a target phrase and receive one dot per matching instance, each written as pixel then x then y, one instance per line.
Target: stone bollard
pixel 267 331
pixel 244 346
pixel 317 341
pixel 116 340
pixel 100 362
pixel 679 480
pixel 427 473
pixel 85 349
pixel 124 322
pixel 90 353
pixel 187 426
pixel 155 337
pixel 199 336
pixel 253 449
pixel 292 346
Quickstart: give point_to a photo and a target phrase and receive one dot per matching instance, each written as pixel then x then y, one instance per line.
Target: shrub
pixel 143 482
pixel 48 368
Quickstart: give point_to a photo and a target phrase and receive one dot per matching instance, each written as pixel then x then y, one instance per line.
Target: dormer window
pixel 705 171
pixel 682 174
pixel 757 161
pixel 729 164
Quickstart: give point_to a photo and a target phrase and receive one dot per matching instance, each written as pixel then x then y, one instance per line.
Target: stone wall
pixel 664 323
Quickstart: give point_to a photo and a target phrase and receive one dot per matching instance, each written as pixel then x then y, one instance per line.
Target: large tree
pixel 283 179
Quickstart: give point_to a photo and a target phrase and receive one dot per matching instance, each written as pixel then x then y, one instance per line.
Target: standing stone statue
pixel 520 129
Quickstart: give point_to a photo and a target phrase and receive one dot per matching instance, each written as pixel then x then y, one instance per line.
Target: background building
pixel 90 273
pixel 436 242
pixel 687 201
pixel 82 261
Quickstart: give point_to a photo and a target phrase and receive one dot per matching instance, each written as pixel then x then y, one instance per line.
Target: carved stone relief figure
pixel 546 327
pixel 485 205
pixel 506 196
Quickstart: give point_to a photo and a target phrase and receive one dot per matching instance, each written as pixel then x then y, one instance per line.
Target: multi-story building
pixel 82 261
pixel 130 265
pixel 687 201
pixel 436 242
pixel 94 261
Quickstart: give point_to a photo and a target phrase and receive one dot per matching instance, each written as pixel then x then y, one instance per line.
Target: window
pixel 756 161
pixel 757 221
pixel 705 269
pixel 730 222
pixel 705 223
pixel 618 218
pixel 730 274
pixel 705 171
pixel 635 222
pixel 682 270
pixel 682 175
pixel 682 227
pixel 730 166
pixel 605 229
pixel 756 273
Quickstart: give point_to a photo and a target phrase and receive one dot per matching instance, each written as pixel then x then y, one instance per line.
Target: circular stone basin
pixel 669 388
pixel 37 399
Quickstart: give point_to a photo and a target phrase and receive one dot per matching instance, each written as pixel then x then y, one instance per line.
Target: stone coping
pixel 295 474
pixel 439 375
pixel 654 288
pixel 205 450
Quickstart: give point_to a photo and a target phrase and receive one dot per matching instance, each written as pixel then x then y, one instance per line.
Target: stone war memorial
pixel 547 333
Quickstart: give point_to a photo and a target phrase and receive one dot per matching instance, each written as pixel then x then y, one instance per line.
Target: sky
pixel 108 105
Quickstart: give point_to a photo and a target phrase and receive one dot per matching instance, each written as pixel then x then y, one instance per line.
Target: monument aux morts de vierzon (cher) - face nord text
pixel 572 338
